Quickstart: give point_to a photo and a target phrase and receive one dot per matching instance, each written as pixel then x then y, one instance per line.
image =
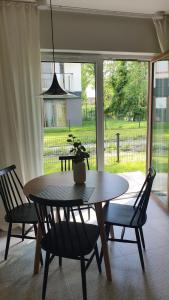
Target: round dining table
pixel 100 187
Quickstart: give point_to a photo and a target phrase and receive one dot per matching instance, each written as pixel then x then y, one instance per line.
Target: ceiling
pixel 110 6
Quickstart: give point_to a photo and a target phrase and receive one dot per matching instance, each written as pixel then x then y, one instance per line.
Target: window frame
pixel 98 61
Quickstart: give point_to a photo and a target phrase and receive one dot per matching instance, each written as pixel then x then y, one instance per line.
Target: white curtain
pixel 20 108
pixel 162 29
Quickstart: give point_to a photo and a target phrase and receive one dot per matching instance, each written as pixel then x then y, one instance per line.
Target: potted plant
pixel 79 152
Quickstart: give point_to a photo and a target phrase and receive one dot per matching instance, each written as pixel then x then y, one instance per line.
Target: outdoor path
pixel 135 180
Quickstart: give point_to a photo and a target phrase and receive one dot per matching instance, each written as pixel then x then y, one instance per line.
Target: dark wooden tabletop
pixel 99 186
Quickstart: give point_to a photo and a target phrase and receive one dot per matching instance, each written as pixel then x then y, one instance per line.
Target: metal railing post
pixel 118 146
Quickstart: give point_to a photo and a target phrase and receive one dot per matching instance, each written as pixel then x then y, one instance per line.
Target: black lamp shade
pixel 55 88
pixel 55 91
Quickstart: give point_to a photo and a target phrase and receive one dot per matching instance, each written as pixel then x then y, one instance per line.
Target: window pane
pixel 125 119
pixel 160 141
pixel 69 116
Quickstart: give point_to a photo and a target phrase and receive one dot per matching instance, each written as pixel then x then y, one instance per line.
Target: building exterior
pixel 161 91
pixel 58 112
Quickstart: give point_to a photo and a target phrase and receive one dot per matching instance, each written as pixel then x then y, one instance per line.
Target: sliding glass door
pixel 160 128
pixel 62 117
pixel 108 115
pixel 125 115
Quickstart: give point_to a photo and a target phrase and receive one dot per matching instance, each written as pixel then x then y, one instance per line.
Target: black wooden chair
pixel 130 216
pixel 17 210
pixel 66 235
pixel 67 165
pixel 66 162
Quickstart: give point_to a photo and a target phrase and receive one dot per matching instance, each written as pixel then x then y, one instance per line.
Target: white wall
pixel 74 112
pixel 74 68
pixel 98 33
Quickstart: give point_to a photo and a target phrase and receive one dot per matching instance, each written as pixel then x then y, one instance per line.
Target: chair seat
pixel 121 215
pixel 78 242
pixel 25 213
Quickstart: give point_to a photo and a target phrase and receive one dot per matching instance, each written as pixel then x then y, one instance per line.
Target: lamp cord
pixel 53 47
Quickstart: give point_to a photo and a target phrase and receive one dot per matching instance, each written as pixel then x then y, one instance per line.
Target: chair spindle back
pixel 142 200
pixel 11 189
pixel 67 162
pixel 64 228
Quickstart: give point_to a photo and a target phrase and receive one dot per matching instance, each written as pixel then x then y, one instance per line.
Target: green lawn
pixel 55 141
pixel 126 167
pixel 90 127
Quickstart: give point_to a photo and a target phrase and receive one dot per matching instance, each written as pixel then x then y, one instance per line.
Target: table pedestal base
pixel 100 220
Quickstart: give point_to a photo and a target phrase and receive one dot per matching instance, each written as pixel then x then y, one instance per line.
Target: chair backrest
pixel 141 203
pixel 60 223
pixel 11 188
pixel 66 162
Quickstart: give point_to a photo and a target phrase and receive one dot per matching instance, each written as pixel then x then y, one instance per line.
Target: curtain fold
pixel 162 29
pixel 20 108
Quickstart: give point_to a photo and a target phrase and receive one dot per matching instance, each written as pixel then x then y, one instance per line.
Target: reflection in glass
pixel 160 141
pixel 62 117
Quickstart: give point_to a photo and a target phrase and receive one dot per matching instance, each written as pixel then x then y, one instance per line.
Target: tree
pixel 127 83
pixel 136 90
pixel 88 78
pixel 108 69
pixel 119 80
pixel 125 88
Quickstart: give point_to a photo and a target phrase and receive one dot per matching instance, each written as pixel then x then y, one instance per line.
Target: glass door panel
pixel 160 128
pixel 125 118
pixel 70 116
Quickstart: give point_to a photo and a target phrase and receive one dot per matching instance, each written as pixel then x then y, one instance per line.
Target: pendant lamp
pixel 55 91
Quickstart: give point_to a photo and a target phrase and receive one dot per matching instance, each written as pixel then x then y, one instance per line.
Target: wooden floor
pixel 129 283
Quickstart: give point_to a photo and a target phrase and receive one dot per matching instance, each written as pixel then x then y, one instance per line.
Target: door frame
pixel 150 130
pixel 98 60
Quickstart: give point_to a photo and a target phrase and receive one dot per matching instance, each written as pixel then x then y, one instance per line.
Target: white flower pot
pixel 79 172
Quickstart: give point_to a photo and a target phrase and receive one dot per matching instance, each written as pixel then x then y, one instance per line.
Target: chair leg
pixel 142 237
pixel 35 229
pixel 41 257
pixel 23 231
pixel 8 241
pixel 60 261
pixel 139 248
pixel 98 259
pixel 83 274
pixel 45 277
pixel 123 232
pixel 68 213
pixel 107 231
pixel 88 213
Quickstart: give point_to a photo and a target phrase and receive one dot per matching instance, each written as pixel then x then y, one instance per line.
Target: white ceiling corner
pixel 144 7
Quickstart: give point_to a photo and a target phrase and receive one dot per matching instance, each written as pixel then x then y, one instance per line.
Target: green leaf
pixel 83 148
pixel 75 144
